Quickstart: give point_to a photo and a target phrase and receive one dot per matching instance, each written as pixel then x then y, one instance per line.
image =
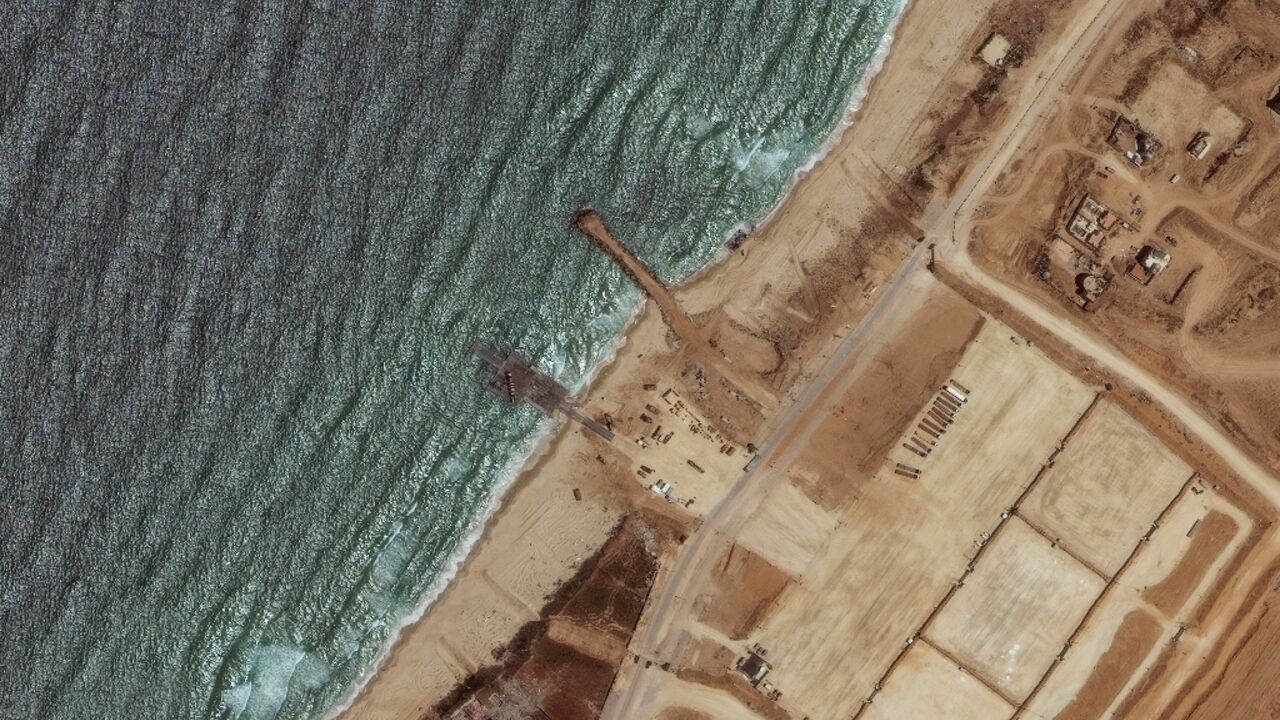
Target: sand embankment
pixel 772 308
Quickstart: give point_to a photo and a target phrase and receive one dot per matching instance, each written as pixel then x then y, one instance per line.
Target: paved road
pixel 951 225
pixel 957 222
pixel 674 601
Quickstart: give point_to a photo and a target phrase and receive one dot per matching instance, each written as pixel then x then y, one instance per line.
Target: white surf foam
pixel 857 95
pixel 273 670
pixel 525 456
pixel 539 442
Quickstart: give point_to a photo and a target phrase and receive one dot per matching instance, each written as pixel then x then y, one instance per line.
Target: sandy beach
pixel 774 308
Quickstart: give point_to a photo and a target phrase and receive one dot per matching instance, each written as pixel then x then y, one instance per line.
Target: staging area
pixel 1015 610
pixel 673 450
pixel 899 548
pixel 1151 609
pixel 1030 546
pixel 1105 488
pixel 926 684
pixel 1039 554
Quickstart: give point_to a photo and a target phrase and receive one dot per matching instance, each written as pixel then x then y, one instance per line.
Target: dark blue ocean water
pixel 242 247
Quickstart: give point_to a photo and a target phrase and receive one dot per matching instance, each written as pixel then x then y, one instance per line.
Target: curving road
pixel 958 222
pixel 673 603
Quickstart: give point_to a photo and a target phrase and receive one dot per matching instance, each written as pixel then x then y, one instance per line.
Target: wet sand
pixel 772 308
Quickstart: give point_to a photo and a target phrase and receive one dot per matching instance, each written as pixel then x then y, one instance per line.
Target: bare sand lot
pixel 903 542
pixel 928 685
pixel 1147 607
pixel 1163 106
pixel 1180 631
pixel 951 38
pixel 789 530
pixel 1131 641
pixel 1013 529
pixel 1104 489
pixel 1195 80
pixel 1210 535
pixel 1248 687
pixel 682 700
pixel 746 586
pixel 1016 610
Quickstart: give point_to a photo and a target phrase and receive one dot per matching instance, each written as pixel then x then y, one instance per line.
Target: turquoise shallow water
pixel 244 245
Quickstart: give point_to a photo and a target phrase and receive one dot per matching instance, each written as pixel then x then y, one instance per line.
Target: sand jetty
pixel 895 439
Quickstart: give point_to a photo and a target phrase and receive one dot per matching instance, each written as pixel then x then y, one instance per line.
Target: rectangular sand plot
pixel 1169 576
pixel 1105 489
pixel 1174 106
pixel 1105 658
pixel 677 698
pixel 1016 609
pixel 787 530
pixel 927 685
pixel 1208 542
pixel 902 543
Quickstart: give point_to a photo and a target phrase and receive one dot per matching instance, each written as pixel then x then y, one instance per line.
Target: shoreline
pixel 526 465
pixel 853 105
pixel 517 472
pixel 791 295
pixel 523 463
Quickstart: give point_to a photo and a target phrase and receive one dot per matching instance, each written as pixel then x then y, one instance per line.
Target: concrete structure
pixel 1092 286
pixel 1149 262
pixel 1199 145
pixel 1139 273
pixel 1137 145
pixel 1090 222
pixel 753 667
pixel 1154 259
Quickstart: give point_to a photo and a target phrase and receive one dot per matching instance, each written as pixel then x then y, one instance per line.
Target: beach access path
pixel 949 228
pixel 698 348
pixel 721 525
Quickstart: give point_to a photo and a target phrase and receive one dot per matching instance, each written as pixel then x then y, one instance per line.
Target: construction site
pixel 1024 545
pixel 1021 531
pixel 1153 206
pixel 980 426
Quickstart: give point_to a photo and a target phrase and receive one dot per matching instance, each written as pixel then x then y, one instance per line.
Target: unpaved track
pixel 1198 354
pixel 954 255
pixel 673 604
pixel 697 347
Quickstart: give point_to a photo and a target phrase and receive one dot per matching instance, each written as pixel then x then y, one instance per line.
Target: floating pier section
pixel 516 380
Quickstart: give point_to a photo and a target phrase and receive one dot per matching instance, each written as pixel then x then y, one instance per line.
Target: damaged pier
pixel 515 379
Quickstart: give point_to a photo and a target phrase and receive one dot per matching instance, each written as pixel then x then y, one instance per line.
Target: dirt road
pixel 672 605
pixel 950 228
pixel 697 347
pixel 957 223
